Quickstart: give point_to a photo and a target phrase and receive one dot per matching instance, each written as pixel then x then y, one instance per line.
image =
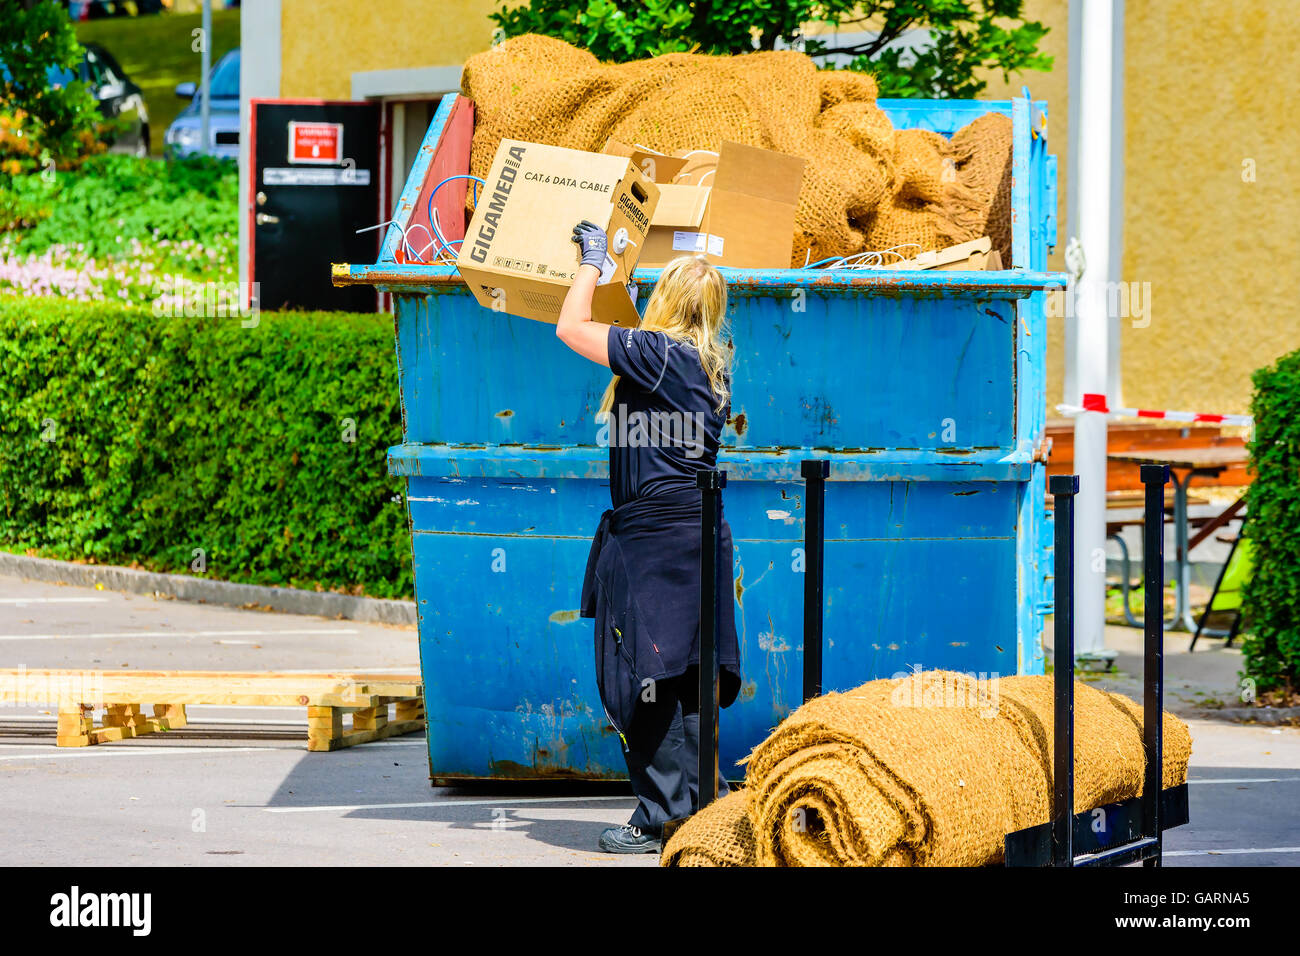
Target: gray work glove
pixel 592 242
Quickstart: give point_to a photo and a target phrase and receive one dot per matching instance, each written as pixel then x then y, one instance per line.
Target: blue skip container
pixel 924 389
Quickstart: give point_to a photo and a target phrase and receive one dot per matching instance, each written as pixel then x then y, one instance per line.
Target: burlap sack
pixel 982 153
pixel 884 775
pixel 719 835
pixel 677 101
pixel 842 86
pixel 495 77
pixel 863 187
pixel 931 208
pixel 842 187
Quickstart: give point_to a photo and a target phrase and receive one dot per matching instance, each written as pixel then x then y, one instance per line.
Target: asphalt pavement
pixel 238 787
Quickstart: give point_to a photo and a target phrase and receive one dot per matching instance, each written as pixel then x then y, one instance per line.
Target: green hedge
pixel 1272 596
pixel 131 439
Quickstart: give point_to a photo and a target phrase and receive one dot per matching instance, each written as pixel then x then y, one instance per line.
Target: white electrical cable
pixel 873 259
pixel 411 228
pixel 620 241
pixel 437 234
pixel 406 243
pixel 445 248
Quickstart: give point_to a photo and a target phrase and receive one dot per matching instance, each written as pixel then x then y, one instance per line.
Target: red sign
pixel 316 143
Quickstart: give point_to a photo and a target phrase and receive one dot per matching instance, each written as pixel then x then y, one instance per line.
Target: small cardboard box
pixel 518 255
pixel 736 208
pixel 977 255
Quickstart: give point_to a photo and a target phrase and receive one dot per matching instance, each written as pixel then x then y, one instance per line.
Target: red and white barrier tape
pixel 1097 403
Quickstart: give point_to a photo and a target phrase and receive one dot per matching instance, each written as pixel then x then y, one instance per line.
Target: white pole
pixel 1091 353
pixel 205 104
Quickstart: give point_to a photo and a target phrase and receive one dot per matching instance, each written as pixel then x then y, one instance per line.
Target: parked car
pixel 184 135
pixel 98 9
pixel 117 95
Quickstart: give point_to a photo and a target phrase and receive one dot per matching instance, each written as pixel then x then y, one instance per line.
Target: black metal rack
pixel 710 484
pixel 1131 830
pixel 1125 832
pixel 815 471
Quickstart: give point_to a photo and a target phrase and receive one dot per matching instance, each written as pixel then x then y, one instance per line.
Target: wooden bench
pixel 123 694
pixel 1121 500
pixel 1123 436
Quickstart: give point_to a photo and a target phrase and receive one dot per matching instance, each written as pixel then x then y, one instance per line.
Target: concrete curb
pixel 186 588
pixel 1270 716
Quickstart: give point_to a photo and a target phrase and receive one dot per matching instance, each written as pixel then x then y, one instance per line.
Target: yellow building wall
pixel 1211 89
pixel 1209 92
pixel 323 42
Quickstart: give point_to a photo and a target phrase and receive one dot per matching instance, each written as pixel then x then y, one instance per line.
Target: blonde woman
pixel 662 416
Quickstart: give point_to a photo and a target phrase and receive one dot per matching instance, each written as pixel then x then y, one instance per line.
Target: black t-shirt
pixel 664 426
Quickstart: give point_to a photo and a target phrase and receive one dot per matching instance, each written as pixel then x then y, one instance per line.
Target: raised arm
pixel 575 326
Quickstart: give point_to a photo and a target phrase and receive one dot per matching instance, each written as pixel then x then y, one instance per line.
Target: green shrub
pixel 127 438
pixel 1272 596
pixel 112 205
pixel 118 228
pixel 20 211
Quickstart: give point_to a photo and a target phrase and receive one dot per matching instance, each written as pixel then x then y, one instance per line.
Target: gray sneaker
pixel 628 839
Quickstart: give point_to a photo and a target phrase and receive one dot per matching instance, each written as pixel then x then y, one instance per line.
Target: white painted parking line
pixel 105 751
pixel 1251 780
pixel 450 802
pixel 1242 851
pixel 170 633
pixel 53 600
pixel 408 669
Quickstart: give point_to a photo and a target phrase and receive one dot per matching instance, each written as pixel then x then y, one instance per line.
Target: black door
pixel 317 182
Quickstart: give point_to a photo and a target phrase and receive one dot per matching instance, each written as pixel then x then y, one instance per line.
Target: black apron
pixel 642 587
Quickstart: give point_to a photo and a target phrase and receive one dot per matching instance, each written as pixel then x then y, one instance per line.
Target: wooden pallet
pixel 123 695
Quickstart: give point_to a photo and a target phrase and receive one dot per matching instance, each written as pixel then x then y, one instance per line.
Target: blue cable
pixel 437 233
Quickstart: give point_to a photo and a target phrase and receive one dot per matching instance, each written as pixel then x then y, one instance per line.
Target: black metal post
pixel 1063 489
pixel 710 484
pixel 1155 477
pixel 815 471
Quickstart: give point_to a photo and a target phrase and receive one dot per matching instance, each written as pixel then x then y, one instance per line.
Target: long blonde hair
pixel 689 305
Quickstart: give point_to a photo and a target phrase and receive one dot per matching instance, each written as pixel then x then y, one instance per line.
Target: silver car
pixel 184 135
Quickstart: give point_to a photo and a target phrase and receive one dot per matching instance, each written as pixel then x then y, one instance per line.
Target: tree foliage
pixel 42 121
pixel 968 38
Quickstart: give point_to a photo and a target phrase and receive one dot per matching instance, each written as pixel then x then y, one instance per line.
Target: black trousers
pixel 663 755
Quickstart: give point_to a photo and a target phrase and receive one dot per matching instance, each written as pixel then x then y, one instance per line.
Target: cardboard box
pixel 518 255
pixel 975 255
pixel 735 208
